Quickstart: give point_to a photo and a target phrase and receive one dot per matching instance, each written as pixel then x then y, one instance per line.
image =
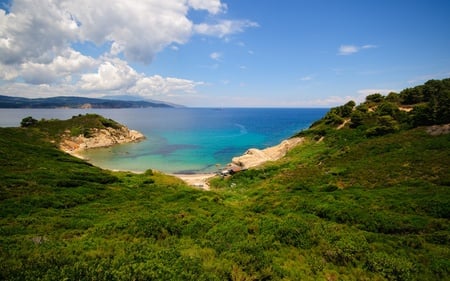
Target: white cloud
pixel 69 63
pixel 345 50
pixel 348 49
pixel 37 37
pixel 33 91
pixel 34 31
pixel 37 30
pixel 223 27
pixel 306 78
pixel 8 72
pixel 111 75
pixel 369 46
pixel 157 85
pixel 140 28
pixel 216 56
pixel 366 92
pixel 212 6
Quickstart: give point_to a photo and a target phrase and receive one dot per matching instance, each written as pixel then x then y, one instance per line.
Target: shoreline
pixel 250 159
pixel 200 181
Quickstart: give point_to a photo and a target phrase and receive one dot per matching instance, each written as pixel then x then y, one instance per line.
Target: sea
pixel 184 140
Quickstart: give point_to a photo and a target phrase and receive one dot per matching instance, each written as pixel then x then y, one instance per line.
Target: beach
pixel 196 180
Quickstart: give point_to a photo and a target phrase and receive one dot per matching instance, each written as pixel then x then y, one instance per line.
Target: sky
pixel 220 53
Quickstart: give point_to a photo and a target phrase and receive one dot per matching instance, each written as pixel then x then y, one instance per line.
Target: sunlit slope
pixel 365 197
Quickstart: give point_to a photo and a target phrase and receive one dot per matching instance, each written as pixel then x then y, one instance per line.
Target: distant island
pixel 77 102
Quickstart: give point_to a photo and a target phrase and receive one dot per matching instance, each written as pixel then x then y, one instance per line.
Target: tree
pixel 357 119
pixel 387 108
pixel 443 107
pixel 28 121
pixel 385 125
pixel 412 95
pixel 393 97
pixel 375 98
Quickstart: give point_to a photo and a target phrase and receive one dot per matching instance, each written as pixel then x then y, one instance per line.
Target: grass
pixel 350 207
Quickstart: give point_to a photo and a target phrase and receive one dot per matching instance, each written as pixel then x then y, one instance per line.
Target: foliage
pixel 77 125
pixel 352 206
pixel 28 121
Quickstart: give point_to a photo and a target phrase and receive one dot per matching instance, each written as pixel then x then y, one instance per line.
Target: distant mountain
pixel 76 102
pixel 138 98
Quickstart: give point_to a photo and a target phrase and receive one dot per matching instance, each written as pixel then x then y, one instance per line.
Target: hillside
pixel 75 102
pixel 365 197
pixel 83 132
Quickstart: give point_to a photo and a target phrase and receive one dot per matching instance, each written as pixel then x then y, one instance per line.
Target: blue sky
pixel 290 53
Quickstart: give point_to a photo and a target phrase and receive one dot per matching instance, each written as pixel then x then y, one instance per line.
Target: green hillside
pixel 365 198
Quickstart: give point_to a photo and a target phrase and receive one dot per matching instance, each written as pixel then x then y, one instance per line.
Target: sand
pixel 196 180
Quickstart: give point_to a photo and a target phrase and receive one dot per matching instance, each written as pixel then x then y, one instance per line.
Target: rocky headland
pixel 255 157
pixel 97 138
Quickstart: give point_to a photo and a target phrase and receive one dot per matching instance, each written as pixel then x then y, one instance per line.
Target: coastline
pixel 196 180
pixel 251 158
pixel 254 157
pixel 100 138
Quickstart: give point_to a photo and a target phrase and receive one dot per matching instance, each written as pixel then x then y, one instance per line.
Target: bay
pixel 184 140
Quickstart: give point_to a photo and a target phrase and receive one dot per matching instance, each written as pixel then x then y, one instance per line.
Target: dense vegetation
pixel 368 201
pixel 80 124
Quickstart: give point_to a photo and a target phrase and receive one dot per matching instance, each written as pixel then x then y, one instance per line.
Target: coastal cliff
pixel 83 132
pixel 255 157
pixel 98 138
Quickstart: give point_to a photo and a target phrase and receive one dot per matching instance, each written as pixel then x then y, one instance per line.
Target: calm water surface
pixel 183 140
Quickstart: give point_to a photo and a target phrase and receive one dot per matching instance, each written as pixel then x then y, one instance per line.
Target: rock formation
pixel 254 157
pixel 99 138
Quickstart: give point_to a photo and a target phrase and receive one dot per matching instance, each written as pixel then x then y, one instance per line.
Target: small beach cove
pixel 251 158
pixel 190 143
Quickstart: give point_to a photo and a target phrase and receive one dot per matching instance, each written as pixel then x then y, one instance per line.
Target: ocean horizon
pixel 184 140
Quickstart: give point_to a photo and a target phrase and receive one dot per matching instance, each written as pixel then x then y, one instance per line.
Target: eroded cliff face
pixel 255 157
pixel 99 138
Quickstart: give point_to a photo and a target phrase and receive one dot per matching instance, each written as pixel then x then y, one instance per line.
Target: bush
pixel 374 98
pixel 348 250
pixel 385 125
pixel 28 122
pixel 392 268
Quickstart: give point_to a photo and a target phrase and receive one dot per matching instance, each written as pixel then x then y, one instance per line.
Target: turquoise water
pixel 184 140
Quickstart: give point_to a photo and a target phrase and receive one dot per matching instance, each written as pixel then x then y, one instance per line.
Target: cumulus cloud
pixel 33 31
pixel 212 6
pixel 37 40
pixel 111 75
pixel 345 50
pixel 63 66
pixel 139 29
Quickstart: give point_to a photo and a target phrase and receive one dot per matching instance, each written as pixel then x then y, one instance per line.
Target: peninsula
pixel 84 132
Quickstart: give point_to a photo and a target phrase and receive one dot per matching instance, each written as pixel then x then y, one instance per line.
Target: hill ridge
pixel 76 102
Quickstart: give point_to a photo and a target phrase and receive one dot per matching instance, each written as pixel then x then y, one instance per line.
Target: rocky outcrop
pixel 99 138
pixel 255 157
pixel 437 130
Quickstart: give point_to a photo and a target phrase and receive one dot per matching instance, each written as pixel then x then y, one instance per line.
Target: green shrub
pixel 28 122
pixel 391 267
pixel 348 249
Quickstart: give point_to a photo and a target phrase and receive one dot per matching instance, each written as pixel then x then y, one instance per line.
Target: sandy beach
pixel 196 180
